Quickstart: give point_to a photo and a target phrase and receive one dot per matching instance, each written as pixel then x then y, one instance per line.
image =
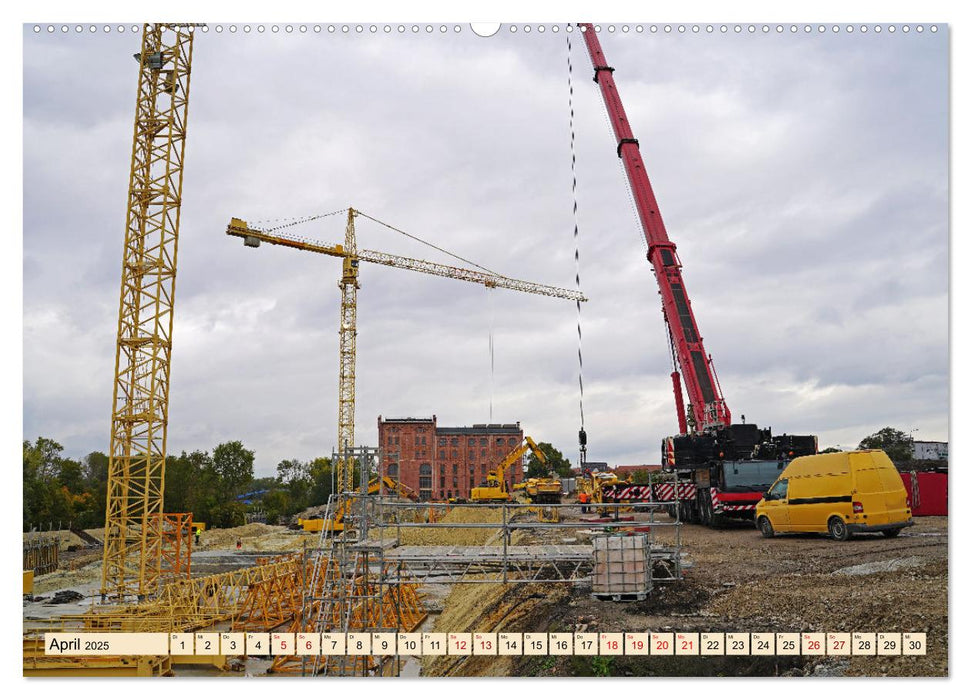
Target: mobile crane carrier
pixel 724 466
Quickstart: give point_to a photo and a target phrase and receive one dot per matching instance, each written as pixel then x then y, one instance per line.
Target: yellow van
pixel 840 493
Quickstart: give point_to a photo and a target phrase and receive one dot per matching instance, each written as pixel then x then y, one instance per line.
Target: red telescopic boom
pixel 707 406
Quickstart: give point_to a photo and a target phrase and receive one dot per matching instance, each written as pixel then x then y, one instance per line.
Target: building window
pixel 441 454
pixel 500 441
pixel 482 441
pixel 455 468
pixel 471 441
pixel 455 441
pixel 455 454
pixel 417 455
pixel 397 441
pixel 455 481
pixel 425 481
pixel 441 442
pixel 483 453
pixel 393 470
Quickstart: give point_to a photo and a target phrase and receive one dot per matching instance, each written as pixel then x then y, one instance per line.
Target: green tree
pixel 294 476
pixel 39 481
pixel 263 483
pixel 555 462
pixel 233 464
pixel 322 474
pixel 276 504
pixel 71 475
pixel 898 445
pixel 96 469
pixel 829 450
pixel 227 514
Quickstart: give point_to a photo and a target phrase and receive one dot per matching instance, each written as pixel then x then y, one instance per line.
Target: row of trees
pixel 58 489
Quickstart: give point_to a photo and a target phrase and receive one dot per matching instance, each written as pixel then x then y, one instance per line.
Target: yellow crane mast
pixel 139 415
pixel 349 285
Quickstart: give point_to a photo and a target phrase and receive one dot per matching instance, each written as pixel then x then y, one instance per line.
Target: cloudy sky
pixel 804 178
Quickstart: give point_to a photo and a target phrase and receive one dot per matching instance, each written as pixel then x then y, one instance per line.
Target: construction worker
pixel 239 544
pixel 584 499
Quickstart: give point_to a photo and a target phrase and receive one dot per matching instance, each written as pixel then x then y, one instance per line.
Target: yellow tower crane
pixel 139 415
pixel 349 285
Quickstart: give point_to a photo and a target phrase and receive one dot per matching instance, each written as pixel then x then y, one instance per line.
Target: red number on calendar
pixel 813 645
pixel 662 644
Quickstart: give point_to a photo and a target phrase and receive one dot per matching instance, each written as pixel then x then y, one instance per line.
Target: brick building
pixel 440 462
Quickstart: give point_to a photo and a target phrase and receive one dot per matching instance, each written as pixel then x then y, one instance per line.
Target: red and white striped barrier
pixel 665 492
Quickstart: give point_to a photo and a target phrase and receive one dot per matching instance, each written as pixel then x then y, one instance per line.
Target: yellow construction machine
pixel 591 485
pixel 545 489
pixel 494 489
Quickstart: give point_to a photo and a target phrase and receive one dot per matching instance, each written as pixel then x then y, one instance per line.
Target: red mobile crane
pixel 726 465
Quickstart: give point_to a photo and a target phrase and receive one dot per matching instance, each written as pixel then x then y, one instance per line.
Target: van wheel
pixel 838 530
pixel 765 527
pixel 892 532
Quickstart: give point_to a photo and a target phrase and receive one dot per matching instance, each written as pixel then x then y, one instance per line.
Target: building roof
pixel 483 429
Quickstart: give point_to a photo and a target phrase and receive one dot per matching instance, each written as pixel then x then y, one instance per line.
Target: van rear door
pixel 875 489
pixel 895 493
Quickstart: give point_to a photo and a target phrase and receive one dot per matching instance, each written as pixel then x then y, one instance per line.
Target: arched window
pixel 425 481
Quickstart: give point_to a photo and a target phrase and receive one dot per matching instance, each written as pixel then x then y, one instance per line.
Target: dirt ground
pixel 735 581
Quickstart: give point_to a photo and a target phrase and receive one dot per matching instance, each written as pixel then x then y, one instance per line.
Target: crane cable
pixel 430 245
pixel 576 243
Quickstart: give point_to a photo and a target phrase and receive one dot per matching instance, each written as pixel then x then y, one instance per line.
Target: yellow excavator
pixel 494 488
pixel 591 485
pixel 336 524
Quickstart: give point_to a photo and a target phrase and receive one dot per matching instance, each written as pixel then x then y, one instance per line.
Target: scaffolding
pixel 350 587
pixel 526 563
pixel 174 533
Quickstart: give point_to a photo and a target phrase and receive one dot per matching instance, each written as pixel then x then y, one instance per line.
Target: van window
pixel 779 490
pixel 751 474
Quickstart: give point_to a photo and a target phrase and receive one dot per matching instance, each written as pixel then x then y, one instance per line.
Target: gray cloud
pixel 804 179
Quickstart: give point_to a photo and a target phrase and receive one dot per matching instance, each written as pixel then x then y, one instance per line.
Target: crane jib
pixel 706 404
